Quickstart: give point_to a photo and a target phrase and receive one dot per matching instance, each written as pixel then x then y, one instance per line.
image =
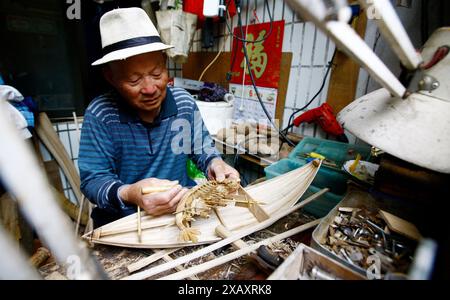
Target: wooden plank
pixel 53 175
pixel 401 226
pixel 52 170
pixel 198 61
pixel 285 70
pixel 69 208
pixel 50 139
pixel 345 73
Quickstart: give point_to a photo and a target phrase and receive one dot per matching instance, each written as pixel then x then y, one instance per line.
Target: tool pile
pixel 362 238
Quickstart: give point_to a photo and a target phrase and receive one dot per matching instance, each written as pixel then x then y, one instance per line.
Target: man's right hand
pixel 154 204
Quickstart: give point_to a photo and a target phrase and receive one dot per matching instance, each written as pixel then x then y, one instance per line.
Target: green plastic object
pixel 193 172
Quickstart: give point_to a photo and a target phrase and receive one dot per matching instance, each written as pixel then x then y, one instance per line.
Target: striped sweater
pixel 117 148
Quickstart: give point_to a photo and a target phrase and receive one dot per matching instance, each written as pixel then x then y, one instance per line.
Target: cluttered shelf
pixel 252 157
pixel 258 145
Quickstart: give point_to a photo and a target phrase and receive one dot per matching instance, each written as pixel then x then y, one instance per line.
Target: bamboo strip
pixel 181 260
pixel 144 225
pixel 236 254
pixel 150 259
pixel 224 233
pixel 167 258
pixel 157 189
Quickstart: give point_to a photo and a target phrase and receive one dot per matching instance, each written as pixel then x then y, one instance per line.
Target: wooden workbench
pixel 115 260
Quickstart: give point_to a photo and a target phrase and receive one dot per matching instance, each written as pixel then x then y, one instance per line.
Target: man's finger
pixel 233 175
pixel 172 205
pixel 219 173
pixel 160 199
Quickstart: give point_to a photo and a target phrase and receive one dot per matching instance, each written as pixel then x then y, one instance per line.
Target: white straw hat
pixel 127 32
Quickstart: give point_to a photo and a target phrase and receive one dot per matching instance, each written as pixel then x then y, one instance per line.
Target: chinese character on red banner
pixel 264 56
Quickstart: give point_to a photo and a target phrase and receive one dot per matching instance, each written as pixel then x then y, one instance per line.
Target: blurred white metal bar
pixel 13 264
pixel 349 42
pixel 392 29
pixel 22 176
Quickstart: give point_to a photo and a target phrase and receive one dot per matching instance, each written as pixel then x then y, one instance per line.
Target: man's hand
pixel 154 204
pixel 219 170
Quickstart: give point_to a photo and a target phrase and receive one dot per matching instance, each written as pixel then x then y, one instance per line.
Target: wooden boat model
pixel 275 195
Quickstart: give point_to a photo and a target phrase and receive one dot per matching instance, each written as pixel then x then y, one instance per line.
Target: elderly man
pixel 142 133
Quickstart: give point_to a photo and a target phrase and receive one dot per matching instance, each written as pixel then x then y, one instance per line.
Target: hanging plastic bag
pixel 177 28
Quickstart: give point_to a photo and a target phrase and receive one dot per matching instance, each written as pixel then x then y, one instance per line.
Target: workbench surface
pixel 116 259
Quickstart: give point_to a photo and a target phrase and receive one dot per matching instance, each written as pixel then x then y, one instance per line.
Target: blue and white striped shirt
pixel 118 148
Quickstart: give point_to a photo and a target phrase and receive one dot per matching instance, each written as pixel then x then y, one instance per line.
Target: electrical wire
pixel 283 136
pixel 291 117
pixel 218 54
pixel 266 5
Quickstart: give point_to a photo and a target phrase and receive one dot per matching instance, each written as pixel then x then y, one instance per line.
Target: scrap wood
pixel 401 226
pixel 223 259
pixel 39 257
pixel 181 260
pixel 9 216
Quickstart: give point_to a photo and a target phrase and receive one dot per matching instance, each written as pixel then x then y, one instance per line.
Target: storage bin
pixel 334 151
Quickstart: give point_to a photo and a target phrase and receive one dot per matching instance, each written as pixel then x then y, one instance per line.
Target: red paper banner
pixel 264 56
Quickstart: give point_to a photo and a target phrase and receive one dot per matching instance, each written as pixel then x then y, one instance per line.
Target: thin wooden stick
pixel 80 212
pixel 167 258
pixel 184 259
pixel 150 259
pixel 139 224
pixel 236 254
pixel 157 189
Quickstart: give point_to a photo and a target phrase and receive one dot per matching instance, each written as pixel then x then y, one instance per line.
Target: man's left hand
pixel 219 170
